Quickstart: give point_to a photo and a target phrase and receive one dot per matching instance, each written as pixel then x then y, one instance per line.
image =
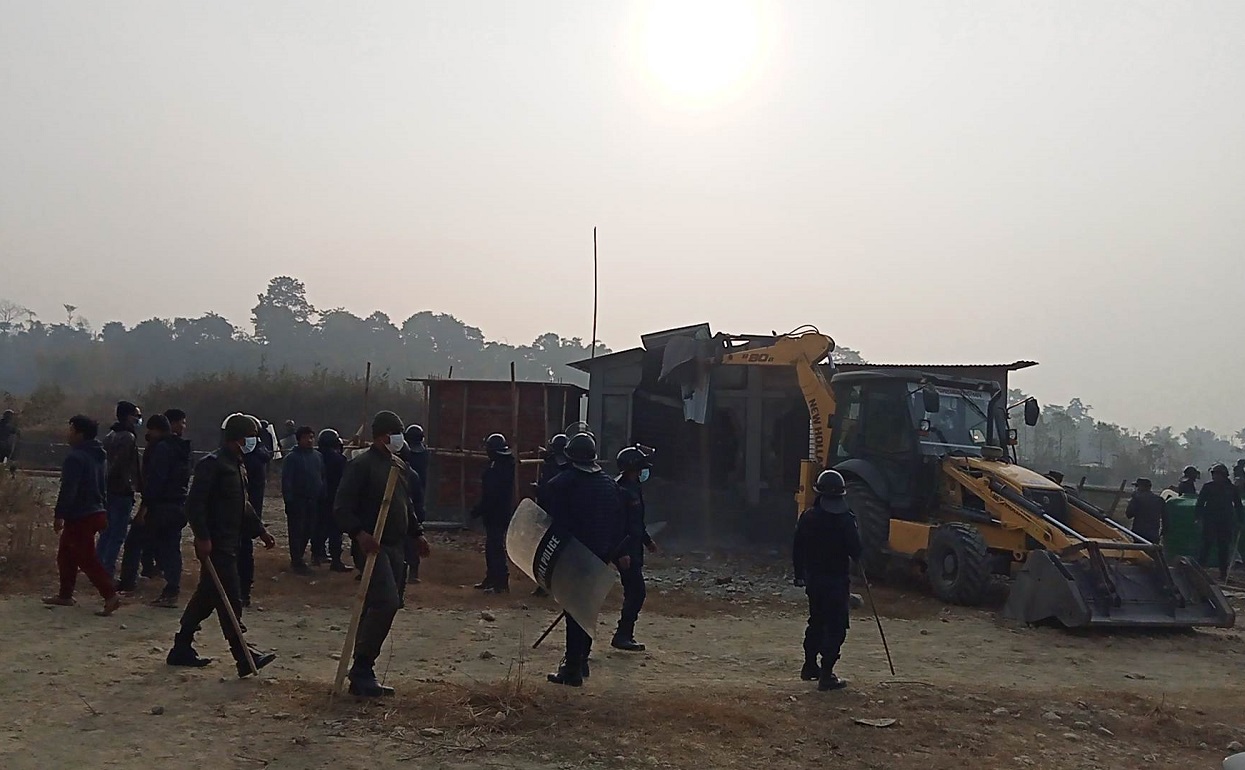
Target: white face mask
pixel 250 444
pixel 396 442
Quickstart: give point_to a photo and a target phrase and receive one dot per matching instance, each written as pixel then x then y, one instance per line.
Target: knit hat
pixel 239 426
pixel 387 423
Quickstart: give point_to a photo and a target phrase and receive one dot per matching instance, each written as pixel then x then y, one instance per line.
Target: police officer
pixel 634 465
pixel 257 462
pixel 495 508
pixel 826 540
pixel 1188 481
pixel 555 462
pixel 220 515
pixel 1219 510
pixel 415 454
pixel 1145 511
pixel 588 505
pixel 357 508
pixel 329 535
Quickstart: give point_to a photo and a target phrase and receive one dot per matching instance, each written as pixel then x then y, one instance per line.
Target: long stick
pixel 367 388
pixel 593 354
pixel 233 617
pixel 549 630
pixel 368 569
pixel 877 618
pixel 1236 544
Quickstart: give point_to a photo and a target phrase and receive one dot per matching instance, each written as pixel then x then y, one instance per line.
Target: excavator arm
pixel 804 349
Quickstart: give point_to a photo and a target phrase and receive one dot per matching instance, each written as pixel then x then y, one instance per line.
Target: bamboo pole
pixel 514 428
pixel 368 569
pixel 233 616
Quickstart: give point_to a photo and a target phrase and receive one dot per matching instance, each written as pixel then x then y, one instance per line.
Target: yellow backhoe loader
pixel 931 483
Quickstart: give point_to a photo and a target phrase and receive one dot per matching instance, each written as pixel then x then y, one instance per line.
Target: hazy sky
pixel 925 181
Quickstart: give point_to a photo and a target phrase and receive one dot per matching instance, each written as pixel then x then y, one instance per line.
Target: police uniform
pixel 826 540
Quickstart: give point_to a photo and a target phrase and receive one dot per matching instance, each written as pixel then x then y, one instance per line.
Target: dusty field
pixel 717 688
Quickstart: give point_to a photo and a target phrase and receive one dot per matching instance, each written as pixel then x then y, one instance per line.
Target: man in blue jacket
pixel 80 514
pixel 302 486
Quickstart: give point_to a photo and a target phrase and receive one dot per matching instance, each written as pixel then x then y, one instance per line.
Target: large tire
pixel 873 517
pixel 958 564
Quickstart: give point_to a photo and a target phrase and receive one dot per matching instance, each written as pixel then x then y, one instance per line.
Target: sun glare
pixel 703 52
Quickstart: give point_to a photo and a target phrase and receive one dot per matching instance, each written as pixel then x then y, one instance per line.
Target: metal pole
pixel 549 630
pixel 877 618
pixel 594 294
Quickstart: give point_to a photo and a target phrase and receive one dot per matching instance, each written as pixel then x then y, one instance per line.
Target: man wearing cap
pixel 495 507
pixel 124 479
pixel 219 516
pixel 589 506
pixel 1145 511
pixel 357 508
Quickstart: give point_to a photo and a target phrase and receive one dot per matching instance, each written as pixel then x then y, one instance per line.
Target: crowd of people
pixel 124 506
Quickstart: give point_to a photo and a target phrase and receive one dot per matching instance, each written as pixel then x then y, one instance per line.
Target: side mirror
pixel 931 399
pixel 1032 412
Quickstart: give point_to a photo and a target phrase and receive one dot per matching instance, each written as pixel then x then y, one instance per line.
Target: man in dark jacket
pixel 8 436
pixel 588 505
pixel 495 507
pixel 80 513
pixel 1220 512
pixel 302 485
pixel 1188 482
pixel 634 465
pixel 357 507
pixel 329 537
pixel 220 515
pixel 1146 511
pixel 415 454
pixel 256 462
pixel 124 480
pixel 826 540
pixel 138 538
pixel 166 483
pixel 554 463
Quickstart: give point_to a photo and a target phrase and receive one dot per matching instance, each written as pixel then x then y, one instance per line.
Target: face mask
pixel 138 423
pixel 643 475
pixel 251 443
pixel 396 442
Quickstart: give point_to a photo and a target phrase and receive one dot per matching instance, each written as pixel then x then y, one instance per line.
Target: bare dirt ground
pixel 717 687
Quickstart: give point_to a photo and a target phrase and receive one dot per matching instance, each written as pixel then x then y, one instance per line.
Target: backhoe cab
pixel 932 484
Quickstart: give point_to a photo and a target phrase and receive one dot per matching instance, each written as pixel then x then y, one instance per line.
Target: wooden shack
pixel 462 413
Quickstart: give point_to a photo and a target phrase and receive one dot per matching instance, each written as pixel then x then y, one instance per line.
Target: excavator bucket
pixel 1088 586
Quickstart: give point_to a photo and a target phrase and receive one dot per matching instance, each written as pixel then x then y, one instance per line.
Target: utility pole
pixel 593 355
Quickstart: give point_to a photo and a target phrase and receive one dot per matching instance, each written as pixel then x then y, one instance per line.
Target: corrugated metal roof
pixel 1012 367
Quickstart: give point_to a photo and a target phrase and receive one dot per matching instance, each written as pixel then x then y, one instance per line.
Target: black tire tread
pixel 873 517
pixel 974 562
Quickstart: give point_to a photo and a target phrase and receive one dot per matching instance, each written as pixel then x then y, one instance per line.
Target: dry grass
pixel 754 726
pixel 27 540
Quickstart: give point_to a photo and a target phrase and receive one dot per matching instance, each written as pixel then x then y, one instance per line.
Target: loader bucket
pixel 1094 590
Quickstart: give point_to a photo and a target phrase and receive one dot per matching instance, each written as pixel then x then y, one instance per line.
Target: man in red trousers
pixel 81 514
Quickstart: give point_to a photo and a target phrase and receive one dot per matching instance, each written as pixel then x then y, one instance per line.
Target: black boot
pixel 300 568
pixel 829 681
pixel 585 670
pixel 363 682
pixel 540 592
pixel 262 659
pixel 499 587
pixel 484 584
pixel 571 676
pixel 183 653
pixel 811 671
pixel 626 643
pixel 337 566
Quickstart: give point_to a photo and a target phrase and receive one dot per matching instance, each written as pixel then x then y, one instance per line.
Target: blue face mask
pixel 251 443
pixel 644 475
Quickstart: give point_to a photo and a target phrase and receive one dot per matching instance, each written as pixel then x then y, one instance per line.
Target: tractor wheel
pixel 958 564
pixel 874 519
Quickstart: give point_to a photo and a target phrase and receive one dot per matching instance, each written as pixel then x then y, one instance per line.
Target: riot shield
pixel 563 566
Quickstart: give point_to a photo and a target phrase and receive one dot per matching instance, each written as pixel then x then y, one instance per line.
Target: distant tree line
pixel 1069 439
pixel 287 332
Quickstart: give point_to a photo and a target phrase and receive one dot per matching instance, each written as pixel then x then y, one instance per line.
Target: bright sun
pixel 703 52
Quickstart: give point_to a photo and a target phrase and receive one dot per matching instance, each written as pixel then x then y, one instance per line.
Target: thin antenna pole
pixel 594 294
